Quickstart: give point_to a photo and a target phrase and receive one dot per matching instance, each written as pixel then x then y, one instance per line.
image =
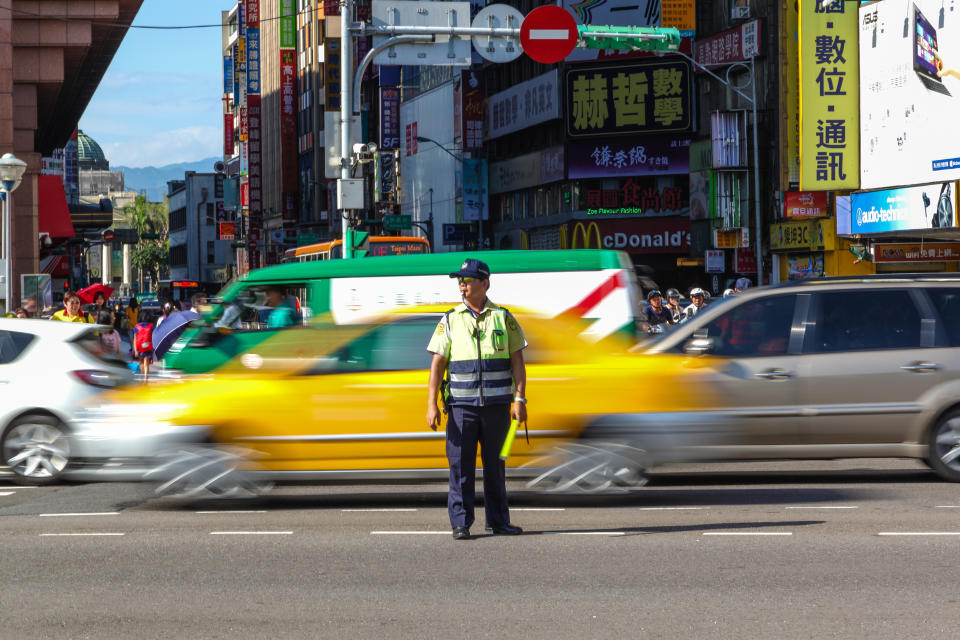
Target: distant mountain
pixel 153 180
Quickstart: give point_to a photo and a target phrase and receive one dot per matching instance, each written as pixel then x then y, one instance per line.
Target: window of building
pixel 211 252
pixel 211 213
pixel 178 219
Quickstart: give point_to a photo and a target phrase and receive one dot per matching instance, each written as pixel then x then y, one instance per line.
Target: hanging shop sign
pixel 733 45
pixel 811 235
pixel 628 156
pixel 798 205
pixel 628 98
pixel 647 235
pixel 524 105
pixel 917 252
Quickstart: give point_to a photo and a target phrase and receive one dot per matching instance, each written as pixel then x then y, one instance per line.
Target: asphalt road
pixel 843 549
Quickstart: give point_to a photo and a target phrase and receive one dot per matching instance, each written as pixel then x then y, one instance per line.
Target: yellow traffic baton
pixel 508 442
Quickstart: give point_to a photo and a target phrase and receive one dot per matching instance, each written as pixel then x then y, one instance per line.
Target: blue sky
pixel 160 100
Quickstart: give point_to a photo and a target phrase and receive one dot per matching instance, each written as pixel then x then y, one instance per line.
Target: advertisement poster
pixel 829 100
pixel 624 98
pixel 637 156
pixel 931 206
pixel 917 252
pixel 908 112
pixel 805 265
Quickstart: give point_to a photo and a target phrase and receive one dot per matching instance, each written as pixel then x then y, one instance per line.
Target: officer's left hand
pixel 518 412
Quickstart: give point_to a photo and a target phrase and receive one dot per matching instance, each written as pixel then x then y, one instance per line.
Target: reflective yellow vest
pixel 479 366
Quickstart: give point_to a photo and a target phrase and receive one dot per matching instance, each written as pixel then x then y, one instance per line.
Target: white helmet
pixel 697 291
pixel 728 292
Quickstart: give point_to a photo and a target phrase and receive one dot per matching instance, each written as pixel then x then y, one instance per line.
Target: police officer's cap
pixel 472 269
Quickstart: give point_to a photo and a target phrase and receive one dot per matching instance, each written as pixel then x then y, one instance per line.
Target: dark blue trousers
pixel 466 427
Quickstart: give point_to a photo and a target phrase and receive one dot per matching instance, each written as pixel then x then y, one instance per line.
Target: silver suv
pixel 837 367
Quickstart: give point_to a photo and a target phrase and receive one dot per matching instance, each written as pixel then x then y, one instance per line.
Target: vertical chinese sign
pixel 288 118
pixel 255 170
pixel 829 96
pixel 389 118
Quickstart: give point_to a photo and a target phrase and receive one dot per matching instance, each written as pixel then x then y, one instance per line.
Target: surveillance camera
pixel 364 152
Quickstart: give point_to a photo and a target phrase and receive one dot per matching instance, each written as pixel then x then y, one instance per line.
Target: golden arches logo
pixel 585 231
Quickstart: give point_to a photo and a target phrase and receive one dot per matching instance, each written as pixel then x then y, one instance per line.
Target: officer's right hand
pixel 433 417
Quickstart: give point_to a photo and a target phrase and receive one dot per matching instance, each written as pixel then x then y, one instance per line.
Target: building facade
pixel 196 250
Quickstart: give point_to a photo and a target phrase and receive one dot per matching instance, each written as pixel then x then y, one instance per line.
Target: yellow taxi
pixel 327 401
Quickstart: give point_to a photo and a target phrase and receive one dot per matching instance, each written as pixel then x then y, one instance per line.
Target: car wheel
pixel 594 467
pixel 36 448
pixel 944 456
pixel 204 471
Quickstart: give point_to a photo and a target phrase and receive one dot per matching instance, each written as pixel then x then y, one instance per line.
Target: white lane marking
pixel 671 508
pixel 583 533
pixel 410 533
pixel 234 511
pixel 549 34
pixel 59 535
pixel 747 533
pixel 374 510
pixel 7 493
pixel 947 506
pixel 824 507
pixel 98 513
pixel 251 533
pixel 919 533
pixel 537 509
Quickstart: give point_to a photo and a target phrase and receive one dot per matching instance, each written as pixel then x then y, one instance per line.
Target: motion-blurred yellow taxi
pixel 326 401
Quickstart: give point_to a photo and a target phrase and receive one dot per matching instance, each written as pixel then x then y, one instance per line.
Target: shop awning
pixel 54 217
pixel 58 266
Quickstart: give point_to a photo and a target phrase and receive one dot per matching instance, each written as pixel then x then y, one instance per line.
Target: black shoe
pixel 503 530
pixel 461 533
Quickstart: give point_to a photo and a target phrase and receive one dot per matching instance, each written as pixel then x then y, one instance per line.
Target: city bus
pixel 379 246
pixel 180 290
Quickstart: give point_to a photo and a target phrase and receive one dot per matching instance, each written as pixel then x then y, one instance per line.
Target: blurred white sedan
pixel 46 369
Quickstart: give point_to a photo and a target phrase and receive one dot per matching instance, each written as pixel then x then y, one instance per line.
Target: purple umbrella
pixel 170 329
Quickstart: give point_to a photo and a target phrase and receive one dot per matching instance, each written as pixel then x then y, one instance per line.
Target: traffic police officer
pixel 479 347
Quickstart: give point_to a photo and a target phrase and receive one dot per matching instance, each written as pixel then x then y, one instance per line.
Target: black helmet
pixel 654 293
pixel 673 293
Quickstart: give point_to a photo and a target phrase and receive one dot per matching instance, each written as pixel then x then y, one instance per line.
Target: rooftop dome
pixel 89 153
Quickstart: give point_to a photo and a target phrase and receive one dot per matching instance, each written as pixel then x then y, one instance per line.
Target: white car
pixel 46 369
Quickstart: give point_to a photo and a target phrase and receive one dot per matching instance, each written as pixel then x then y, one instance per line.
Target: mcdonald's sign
pixel 583 232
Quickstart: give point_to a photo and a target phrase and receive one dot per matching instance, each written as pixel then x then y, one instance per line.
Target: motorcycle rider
pixel 697 298
pixel 655 317
pixel 673 304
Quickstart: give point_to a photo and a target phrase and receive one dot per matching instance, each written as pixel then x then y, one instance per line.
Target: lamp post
pixel 11 173
pixel 458 159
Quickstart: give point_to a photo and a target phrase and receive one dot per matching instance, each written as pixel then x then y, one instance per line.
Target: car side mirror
pixel 699 345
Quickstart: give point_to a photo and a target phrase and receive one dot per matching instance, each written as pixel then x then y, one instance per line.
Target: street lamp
pixel 11 173
pixel 450 153
pixel 458 159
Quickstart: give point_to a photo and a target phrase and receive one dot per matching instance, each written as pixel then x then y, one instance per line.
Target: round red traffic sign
pixel 548 34
pixel 108 236
pixel 251 244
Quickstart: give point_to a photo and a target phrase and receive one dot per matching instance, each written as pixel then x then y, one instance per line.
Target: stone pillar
pixel 106 263
pixel 126 267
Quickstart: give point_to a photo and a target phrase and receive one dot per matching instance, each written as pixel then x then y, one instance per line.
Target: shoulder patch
pixel 440 329
pixel 512 323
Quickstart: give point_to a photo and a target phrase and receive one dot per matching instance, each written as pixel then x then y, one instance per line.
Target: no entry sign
pixel 548 34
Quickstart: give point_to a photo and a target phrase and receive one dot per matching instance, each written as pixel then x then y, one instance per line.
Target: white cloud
pixel 158 148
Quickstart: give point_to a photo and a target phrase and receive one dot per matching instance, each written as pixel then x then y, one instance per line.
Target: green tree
pixel 151 254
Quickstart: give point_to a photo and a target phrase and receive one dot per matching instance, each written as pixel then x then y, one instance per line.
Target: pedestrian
pixel 697 301
pixel 165 312
pixel 71 310
pixel 741 285
pixel 655 317
pixel 20 312
pixel 109 340
pixel 133 315
pixel 99 303
pixel 143 343
pixel 673 304
pixel 478 355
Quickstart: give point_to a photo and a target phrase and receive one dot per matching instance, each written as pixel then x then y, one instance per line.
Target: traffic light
pixel 629 38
